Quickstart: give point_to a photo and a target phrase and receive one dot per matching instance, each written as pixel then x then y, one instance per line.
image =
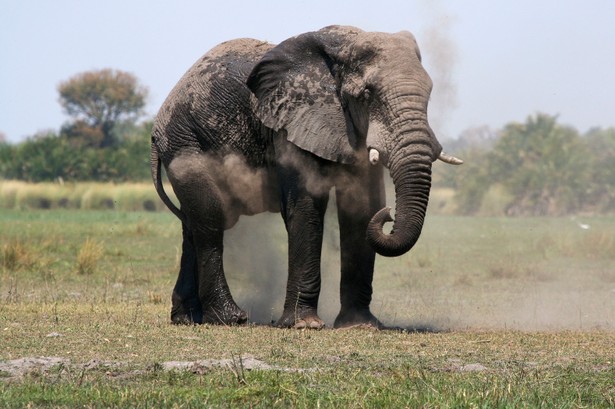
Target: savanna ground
pixel 495 312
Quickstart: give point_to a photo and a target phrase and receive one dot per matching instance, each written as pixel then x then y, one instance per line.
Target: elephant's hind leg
pixel 215 296
pixel 201 202
pixel 186 306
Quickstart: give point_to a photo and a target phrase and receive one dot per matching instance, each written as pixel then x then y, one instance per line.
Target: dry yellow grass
pixel 83 195
pixel 87 259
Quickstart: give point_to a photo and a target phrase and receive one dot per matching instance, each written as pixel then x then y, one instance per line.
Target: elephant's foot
pixel 186 318
pixel 183 313
pixel 300 319
pixel 229 314
pixel 357 318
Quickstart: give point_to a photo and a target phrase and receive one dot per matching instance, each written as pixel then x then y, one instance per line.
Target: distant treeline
pixel 62 156
pixel 534 168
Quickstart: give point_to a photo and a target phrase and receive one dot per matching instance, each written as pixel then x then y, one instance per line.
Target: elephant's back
pixel 210 108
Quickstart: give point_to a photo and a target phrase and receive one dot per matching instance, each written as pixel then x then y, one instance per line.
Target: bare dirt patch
pixel 16 369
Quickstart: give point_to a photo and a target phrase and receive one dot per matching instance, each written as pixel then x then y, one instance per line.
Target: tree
pixel 545 166
pixel 43 157
pixel 100 100
pixel 601 144
pixel 471 181
pixel 540 167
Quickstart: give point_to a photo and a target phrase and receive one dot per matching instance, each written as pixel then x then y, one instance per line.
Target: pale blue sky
pixel 492 61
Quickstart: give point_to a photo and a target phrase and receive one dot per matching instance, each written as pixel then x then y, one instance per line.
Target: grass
pixel 88 256
pixel 509 313
pixel 112 364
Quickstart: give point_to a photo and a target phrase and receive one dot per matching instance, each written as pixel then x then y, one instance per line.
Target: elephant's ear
pixel 296 90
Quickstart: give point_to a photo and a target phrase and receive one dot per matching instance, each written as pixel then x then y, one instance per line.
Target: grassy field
pixel 496 312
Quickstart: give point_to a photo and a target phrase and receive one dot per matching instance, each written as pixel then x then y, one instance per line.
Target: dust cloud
pixel 440 57
pixel 474 273
pixel 256 249
pixel 256 265
pixel 542 307
pixel 431 288
pixel 255 262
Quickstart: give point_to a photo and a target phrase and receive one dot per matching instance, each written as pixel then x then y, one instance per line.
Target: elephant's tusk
pixel 450 159
pixel 374 156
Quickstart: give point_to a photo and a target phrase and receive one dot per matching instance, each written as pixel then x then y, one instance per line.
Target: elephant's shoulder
pixel 227 62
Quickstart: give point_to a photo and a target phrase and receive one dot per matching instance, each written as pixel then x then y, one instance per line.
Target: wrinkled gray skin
pixel 253 127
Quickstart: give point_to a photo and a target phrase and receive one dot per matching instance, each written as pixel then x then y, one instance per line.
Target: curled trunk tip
pixel 381 217
pixel 391 245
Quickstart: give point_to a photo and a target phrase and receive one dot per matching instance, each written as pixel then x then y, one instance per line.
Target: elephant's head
pixel 347 95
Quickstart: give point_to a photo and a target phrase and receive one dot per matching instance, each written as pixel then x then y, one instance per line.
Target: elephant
pixel 254 127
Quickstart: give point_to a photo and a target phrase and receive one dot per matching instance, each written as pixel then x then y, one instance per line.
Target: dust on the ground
pixel 256 266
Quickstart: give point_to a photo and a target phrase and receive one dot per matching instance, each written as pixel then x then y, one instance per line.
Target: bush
pixel 88 256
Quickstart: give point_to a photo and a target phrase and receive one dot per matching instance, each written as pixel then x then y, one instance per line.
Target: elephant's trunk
pixel 411 175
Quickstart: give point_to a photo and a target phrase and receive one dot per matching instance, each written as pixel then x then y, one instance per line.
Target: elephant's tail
pixel 156 167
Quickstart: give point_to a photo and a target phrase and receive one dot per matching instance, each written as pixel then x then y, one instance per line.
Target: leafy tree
pixel 6 161
pixel 546 168
pixel 601 187
pixel 81 134
pixel 543 165
pixel 472 180
pixel 99 101
pixel 477 138
pixel 42 157
pixel 130 159
pixel 472 145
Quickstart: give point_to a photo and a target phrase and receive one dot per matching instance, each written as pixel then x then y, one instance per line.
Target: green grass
pixel 519 312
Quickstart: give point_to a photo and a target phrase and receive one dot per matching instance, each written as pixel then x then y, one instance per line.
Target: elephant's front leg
pixel 357 200
pixel 303 210
pixel 304 224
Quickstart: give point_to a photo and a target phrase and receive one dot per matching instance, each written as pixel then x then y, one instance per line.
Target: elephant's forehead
pixel 383 47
